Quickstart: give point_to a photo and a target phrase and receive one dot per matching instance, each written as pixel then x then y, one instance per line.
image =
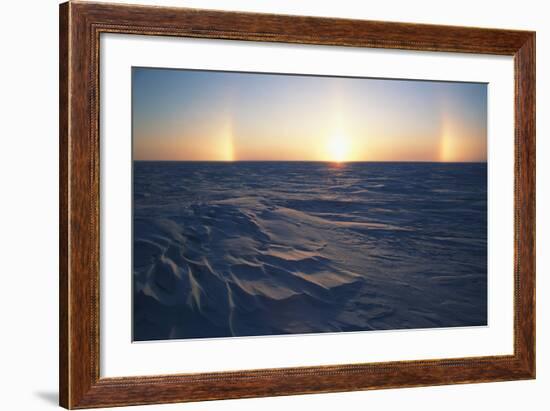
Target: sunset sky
pixel 227 116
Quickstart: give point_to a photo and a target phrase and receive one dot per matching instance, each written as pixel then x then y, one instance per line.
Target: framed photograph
pixel 259 205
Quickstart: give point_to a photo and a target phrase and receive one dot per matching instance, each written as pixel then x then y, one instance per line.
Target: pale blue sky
pixel 208 115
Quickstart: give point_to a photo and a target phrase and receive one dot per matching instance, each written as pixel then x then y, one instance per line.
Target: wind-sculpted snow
pixel 264 248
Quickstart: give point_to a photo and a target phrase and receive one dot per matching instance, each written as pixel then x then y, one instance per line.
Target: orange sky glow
pixel 189 115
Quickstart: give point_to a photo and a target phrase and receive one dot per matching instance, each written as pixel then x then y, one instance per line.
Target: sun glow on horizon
pixel 338 149
pixel 194 115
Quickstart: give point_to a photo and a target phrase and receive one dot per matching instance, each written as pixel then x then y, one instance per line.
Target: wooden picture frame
pixel 80 27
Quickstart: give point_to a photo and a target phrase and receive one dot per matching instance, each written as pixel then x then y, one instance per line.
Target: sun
pixel 338 149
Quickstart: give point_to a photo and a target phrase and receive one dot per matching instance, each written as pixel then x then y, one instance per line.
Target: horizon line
pixel 308 161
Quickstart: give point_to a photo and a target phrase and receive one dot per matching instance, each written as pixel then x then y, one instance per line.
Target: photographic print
pixel 272 204
pixel 340 195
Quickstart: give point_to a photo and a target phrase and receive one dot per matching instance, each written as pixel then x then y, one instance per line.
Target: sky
pixel 193 115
